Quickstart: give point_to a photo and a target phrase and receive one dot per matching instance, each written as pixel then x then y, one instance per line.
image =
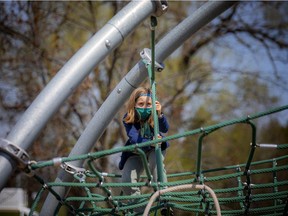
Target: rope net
pixel 252 188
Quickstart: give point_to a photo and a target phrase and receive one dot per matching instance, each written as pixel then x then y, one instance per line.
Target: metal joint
pixel 136 148
pixel 81 176
pixel 109 193
pixel 18 154
pixel 146 56
pixel 45 186
pixel 161 7
pixel 238 168
pixel 148 183
pixel 247 173
pixel 203 131
pixel 99 184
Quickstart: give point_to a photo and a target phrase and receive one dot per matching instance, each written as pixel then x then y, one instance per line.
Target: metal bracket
pixel 161 7
pixel 72 169
pixel 18 154
pixel 146 56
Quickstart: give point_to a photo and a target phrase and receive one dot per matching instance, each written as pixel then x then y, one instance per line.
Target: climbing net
pixel 100 192
pixel 197 192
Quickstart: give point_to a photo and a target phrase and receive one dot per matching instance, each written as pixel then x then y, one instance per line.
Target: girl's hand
pixel 158 107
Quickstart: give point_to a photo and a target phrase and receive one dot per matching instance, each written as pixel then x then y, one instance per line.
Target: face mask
pixel 143 113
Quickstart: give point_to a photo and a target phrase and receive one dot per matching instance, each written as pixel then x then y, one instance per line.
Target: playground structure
pixel 94 51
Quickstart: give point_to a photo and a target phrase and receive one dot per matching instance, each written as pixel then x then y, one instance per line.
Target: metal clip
pixel 72 169
pixel 15 152
pixel 146 56
pixel 161 7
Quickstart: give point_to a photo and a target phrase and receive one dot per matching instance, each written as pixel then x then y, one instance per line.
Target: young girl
pixel 138 122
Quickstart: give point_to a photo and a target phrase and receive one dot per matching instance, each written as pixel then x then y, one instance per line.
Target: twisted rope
pixel 182 187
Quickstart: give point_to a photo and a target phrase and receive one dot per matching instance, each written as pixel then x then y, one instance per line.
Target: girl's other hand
pixel 158 108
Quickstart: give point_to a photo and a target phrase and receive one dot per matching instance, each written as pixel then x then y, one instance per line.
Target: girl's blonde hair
pixel 131 117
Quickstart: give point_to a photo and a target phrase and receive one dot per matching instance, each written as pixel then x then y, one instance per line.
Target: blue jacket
pixel 134 136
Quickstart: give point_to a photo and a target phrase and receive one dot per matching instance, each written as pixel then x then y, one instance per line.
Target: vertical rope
pixel 151 72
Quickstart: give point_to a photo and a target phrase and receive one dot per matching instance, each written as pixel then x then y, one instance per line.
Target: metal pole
pixel 178 35
pixel 133 79
pixel 71 75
